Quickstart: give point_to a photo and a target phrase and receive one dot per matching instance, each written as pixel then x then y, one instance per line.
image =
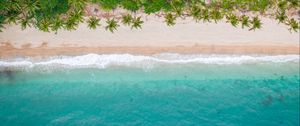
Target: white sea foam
pixel 103 61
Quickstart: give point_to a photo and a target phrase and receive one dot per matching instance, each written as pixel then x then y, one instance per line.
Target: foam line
pixel 102 61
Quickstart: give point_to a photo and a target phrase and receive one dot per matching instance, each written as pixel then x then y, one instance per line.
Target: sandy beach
pixel 155 37
pixel 268 49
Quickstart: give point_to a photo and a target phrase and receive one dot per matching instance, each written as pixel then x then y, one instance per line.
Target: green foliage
pixel 108 4
pixel 294 25
pixel 282 5
pixel 93 22
pixel 234 21
pixel 77 4
pixel 205 15
pixel 52 15
pixel 137 23
pixel 281 17
pixel 70 24
pixel 127 19
pixel 259 5
pixel 293 3
pixel 153 6
pixel 170 19
pixel 216 15
pixel 2 19
pixel 57 24
pixel 256 23
pixel 245 21
pixel 131 5
pixel 112 25
pixel 25 22
pixel 195 12
pixel 177 6
pixel 52 8
pixel 77 16
pixel 43 25
pixel 227 5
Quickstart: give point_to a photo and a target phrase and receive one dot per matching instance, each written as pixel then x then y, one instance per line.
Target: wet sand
pixel 7 51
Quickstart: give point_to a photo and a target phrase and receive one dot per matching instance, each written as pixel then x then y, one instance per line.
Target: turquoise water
pixel 262 94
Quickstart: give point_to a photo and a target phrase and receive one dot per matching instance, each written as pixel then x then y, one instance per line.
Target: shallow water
pixel 151 92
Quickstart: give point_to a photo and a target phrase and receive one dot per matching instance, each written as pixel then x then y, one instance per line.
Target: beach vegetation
pixel 56 24
pixel 52 15
pixel 137 23
pixel 234 21
pixel 170 19
pixel 131 5
pixel 256 23
pixel 93 22
pixel 112 25
pixel 127 19
pixel 245 21
pixel 294 25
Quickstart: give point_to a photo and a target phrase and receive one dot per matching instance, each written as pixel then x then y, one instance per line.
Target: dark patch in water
pixel 281 122
pixel 175 82
pixel 282 78
pixel 131 100
pixel 7 74
pixel 267 101
pixel 281 98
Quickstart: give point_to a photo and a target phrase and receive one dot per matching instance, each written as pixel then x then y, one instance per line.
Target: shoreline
pixel 9 51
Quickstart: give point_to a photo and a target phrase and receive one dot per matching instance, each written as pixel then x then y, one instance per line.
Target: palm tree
pixel 57 23
pixel 281 17
pixel 294 3
pixel 127 19
pixel 245 21
pixel 43 25
pixel 216 15
pixel 205 15
pixel 25 22
pixel 77 4
pixel 32 6
pixel 70 24
pixel 112 25
pixel 12 11
pixel 195 13
pixel 282 5
pixel 234 21
pixel 177 7
pixel 1 26
pixel 13 5
pixel 12 17
pixel 93 22
pixel 294 25
pixel 2 19
pixel 170 19
pixel 74 19
pixel 137 23
pixel 77 16
pixel 256 23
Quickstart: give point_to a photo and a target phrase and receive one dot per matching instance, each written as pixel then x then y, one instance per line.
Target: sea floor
pixel 262 93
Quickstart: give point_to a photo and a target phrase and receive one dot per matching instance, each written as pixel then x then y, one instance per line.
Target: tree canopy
pixel 52 15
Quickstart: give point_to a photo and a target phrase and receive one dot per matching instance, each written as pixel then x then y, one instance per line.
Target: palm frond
pixel 112 25
pixel 93 22
pixel 137 23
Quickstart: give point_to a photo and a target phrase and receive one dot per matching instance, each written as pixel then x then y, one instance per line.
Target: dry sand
pixel 155 37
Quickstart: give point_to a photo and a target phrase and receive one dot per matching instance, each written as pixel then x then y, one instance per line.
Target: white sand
pixel 154 32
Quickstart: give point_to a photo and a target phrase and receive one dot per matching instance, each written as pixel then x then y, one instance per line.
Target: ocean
pixel 157 90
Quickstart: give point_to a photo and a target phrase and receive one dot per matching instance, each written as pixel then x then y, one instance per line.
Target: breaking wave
pixel 106 60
